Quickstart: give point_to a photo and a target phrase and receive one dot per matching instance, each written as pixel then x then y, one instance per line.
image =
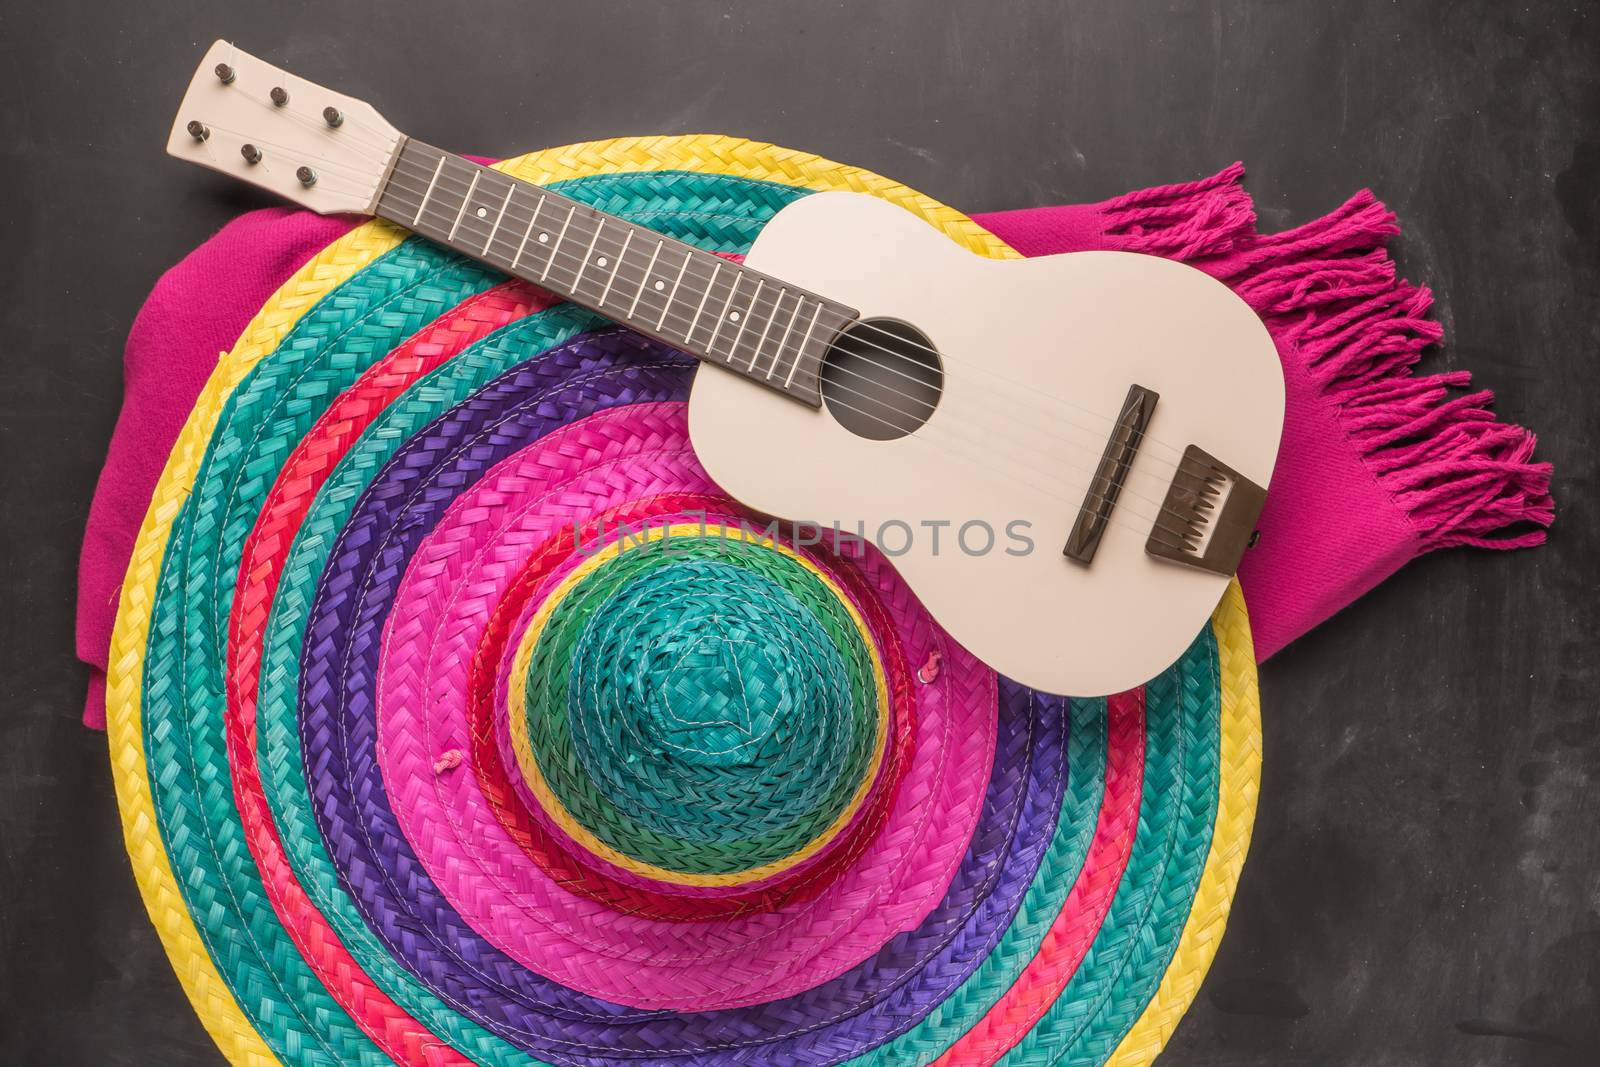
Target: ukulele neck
pixel 767 330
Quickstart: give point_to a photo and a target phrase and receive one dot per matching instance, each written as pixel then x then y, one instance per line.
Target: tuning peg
pixel 280 96
pixel 198 130
pixel 307 176
pixel 333 116
pixel 226 74
pixel 251 153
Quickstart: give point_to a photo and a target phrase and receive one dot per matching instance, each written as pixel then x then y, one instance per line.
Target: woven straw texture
pixel 457 717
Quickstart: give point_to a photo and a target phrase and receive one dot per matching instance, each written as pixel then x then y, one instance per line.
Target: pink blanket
pixel 1378 465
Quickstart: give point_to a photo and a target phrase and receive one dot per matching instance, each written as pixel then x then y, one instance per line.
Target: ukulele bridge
pixel 1209 515
pixel 1127 433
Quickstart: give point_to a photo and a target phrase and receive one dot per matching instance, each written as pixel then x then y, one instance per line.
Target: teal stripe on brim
pixel 184 700
pixel 1123 966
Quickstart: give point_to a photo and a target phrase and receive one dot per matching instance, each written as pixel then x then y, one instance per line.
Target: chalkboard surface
pixel 1424 884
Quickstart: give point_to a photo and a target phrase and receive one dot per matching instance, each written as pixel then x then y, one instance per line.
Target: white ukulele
pixel 1065 457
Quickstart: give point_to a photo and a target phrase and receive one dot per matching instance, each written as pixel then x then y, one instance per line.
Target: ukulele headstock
pixel 251 120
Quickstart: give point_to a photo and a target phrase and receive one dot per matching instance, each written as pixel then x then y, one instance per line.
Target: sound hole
pixel 882 379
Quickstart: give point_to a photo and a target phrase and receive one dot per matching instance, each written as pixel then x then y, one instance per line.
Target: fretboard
pixel 771 332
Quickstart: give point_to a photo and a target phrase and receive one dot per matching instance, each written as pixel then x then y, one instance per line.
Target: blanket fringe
pixel 1330 288
pixel 1185 221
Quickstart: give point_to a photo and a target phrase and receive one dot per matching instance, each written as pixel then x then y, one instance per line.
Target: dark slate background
pixel 1423 886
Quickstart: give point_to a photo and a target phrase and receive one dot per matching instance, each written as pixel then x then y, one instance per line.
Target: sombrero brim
pixel 296 857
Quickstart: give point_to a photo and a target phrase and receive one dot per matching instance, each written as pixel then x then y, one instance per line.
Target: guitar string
pixel 1110 520
pixel 558 254
pixel 753 308
pixel 776 305
pixel 1090 493
pixel 386 148
pixel 419 170
pixel 1121 466
pixel 1124 467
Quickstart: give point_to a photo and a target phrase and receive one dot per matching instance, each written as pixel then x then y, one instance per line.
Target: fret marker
pixel 611 279
pixel 544 238
pixel 658 286
pixel 724 316
pixel 755 302
pixel 648 268
pixel 562 236
pixel 601 261
pixel 482 213
pixel 666 305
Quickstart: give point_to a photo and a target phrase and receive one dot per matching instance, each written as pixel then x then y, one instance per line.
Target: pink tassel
pixel 1185 221
pixel 1329 289
pixel 1229 177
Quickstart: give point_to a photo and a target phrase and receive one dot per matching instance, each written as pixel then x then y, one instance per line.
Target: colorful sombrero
pixel 457 716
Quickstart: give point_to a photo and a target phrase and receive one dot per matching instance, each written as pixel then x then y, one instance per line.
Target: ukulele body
pixel 975 505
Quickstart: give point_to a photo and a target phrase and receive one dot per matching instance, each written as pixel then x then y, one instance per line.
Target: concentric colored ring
pixel 338 591
pixel 802 880
pixel 330 613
